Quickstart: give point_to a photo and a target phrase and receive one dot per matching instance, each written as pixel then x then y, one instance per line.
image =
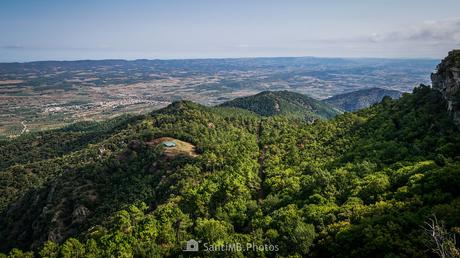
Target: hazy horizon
pixel 218 58
pixel 97 30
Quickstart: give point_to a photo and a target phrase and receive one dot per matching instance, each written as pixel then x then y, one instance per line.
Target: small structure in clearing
pixel 169 144
pixel 174 147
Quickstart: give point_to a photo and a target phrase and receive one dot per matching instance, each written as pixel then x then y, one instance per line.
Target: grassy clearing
pixel 181 148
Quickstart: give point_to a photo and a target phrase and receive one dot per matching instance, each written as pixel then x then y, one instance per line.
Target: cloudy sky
pixel 89 29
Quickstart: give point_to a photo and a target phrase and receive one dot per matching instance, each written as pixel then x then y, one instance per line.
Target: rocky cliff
pixel 446 79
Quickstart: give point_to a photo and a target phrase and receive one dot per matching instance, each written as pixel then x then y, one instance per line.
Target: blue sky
pixel 98 29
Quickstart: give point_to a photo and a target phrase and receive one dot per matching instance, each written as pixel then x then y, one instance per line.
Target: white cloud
pixel 447 30
pixel 428 39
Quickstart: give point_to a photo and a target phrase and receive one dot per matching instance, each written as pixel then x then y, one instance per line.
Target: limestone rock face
pixel 446 79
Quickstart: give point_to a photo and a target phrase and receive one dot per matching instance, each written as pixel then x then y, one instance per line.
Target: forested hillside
pixel 362 184
pixel 285 103
pixel 360 99
pixel 54 143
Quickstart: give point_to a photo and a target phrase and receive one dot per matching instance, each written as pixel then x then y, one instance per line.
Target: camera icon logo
pixel 192 246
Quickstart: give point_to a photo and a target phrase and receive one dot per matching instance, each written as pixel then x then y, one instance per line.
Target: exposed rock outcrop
pixel 446 79
pixel 79 214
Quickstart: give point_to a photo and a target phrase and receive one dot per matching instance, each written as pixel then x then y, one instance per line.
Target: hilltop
pixel 360 99
pixel 292 104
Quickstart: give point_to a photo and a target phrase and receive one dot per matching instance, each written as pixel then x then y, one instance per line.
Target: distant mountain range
pixel 360 99
pixel 292 104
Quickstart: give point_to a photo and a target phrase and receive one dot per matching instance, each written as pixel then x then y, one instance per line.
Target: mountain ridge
pixel 355 100
pixel 288 103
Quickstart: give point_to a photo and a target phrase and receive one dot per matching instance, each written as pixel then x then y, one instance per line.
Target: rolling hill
pixel 286 103
pixel 360 99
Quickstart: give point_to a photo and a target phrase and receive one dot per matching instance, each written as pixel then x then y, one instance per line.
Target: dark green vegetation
pixel 284 103
pixel 360 99
pixel 54 143
pixel 359 185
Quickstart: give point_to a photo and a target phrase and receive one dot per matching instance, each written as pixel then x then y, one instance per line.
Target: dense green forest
pixel 362 184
